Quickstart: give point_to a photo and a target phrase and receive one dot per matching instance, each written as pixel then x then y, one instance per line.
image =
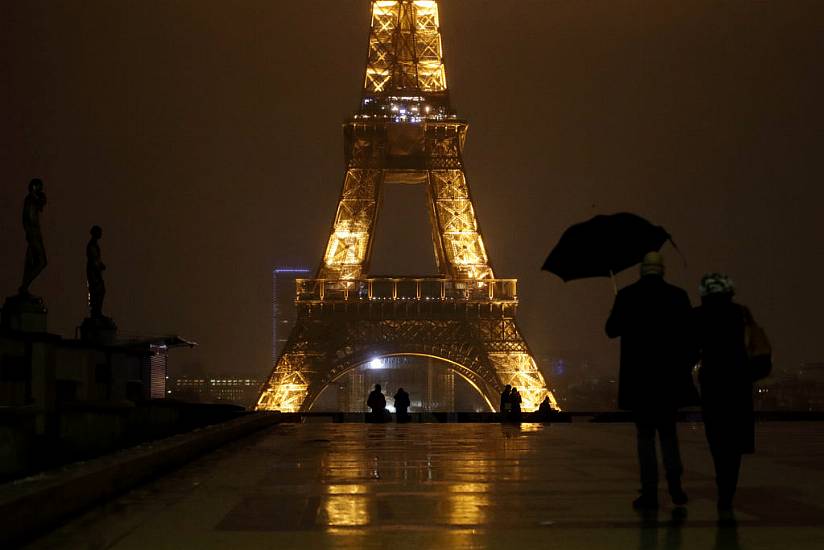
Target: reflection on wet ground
pixel 458 486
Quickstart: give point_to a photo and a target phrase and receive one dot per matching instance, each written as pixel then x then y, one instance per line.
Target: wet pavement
pixel 565 486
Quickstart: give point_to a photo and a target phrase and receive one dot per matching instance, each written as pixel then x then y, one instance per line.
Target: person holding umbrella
pixel 652 318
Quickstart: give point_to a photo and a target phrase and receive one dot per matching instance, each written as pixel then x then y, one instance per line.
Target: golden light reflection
pixel 469 488
pixel 345 505
pixel 341 468
pixel 531 427
pixel 345 511
pixel 467 504
pixel 348 489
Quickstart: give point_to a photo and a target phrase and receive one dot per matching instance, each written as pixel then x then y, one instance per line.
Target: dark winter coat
pixel 515 400
pixel 652 318
pixel 376 401
pixel 505 400
pixel 724 375
pixel 401 401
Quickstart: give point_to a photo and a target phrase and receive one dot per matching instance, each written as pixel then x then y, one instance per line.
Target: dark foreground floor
pixel 459 486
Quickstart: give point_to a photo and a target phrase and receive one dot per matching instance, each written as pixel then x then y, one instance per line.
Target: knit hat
pixel 716 283
pixel 652 264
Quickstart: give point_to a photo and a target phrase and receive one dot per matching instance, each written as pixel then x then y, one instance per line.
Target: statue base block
pixel 98 330
pixel 24 312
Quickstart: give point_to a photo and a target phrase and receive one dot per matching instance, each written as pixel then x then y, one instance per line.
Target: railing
pixel 406 289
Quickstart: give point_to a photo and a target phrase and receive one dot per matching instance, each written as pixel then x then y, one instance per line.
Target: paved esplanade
pixel 455 486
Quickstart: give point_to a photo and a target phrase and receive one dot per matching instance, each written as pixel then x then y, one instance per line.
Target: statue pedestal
pixel 24 312
pixel 98 330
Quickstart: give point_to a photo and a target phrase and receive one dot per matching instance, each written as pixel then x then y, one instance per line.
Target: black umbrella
pixel 604 245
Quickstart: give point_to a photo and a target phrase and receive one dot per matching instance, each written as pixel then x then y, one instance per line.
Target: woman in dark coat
pixel 506 405
pixel 515 400
pixel 726 381
pixel 401 406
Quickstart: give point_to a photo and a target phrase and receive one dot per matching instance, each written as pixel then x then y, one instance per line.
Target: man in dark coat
pixel 652 318
pixel 544 409
pixel 377 402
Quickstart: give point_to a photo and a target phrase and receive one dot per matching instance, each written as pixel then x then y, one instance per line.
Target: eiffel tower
pixel 405 132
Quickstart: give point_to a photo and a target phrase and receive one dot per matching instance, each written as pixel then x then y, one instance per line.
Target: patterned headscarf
pixel 716 283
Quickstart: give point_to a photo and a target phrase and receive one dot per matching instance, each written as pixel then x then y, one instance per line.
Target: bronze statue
pixel 94 273
pixel 36 250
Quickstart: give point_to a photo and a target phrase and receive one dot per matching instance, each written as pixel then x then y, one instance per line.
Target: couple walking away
pixel 662 338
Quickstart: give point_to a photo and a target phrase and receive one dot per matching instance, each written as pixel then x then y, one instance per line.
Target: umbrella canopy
pixel 603 246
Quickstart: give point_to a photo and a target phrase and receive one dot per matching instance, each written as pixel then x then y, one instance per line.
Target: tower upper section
pixel 405 77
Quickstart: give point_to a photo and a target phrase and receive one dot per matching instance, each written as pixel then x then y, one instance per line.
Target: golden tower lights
pixel 405 132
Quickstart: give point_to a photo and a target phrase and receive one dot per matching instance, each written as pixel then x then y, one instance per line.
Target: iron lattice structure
pixel 405 132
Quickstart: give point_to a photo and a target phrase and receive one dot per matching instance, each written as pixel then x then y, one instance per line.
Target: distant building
pixel 156 366
pixel 801 390
pixel 234 389
pixel 194 389
pixel 283 304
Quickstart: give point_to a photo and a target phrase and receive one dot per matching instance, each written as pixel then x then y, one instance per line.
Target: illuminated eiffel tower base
pixel 405 132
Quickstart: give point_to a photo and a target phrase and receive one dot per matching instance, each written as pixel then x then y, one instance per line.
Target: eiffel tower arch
pixel 405 132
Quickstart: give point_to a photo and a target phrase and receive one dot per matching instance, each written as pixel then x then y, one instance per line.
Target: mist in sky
pixel 205 138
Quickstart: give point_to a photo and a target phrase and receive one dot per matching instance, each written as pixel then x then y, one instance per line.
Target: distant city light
pixel 290 270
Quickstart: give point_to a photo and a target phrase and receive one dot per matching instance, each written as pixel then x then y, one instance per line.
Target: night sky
pixel 205 137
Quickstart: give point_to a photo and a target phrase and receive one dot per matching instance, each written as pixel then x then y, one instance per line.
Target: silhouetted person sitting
pixel 725 376
pixel 515 402
pixel 401 405
pixel 506 405
pixel 655 379
pixel 35 249
pixel 544 409
pixel 377 402
pixel 94 273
